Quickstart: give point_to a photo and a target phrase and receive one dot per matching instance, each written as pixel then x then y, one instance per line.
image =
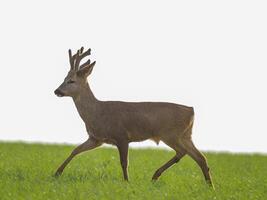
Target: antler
pixel 76 59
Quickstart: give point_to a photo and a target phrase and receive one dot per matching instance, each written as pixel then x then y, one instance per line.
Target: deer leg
pixel 200 159
pixel 168 164
pixel 91 143
pixel 123 151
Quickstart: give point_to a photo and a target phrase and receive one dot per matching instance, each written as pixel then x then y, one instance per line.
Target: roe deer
pixel 119 123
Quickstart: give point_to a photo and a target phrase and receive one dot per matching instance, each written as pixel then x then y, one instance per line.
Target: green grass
pixel 26 172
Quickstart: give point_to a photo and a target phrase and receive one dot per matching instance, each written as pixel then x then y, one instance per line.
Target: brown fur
pixel 119 123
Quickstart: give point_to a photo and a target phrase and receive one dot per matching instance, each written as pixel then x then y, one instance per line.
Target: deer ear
pixel 87 70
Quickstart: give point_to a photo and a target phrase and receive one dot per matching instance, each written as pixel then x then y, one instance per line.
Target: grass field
pixel 26 172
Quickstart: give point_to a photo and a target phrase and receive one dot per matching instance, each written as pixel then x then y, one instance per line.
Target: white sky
pixel 206 54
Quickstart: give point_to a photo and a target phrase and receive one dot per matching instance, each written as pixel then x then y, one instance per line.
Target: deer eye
pixel 70 81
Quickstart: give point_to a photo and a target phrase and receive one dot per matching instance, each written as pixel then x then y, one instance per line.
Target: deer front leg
pixel 91 143
pixel 123 151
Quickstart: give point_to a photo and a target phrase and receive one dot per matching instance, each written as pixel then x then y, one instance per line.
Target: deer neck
pixel 86 103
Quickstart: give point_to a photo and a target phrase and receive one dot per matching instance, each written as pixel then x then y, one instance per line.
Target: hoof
pixel 156 175
pixel 57 174
pixel 211 184
pixel 155 178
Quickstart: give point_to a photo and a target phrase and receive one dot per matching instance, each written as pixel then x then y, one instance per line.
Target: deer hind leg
pixel 200 159
pixel 91 143
pixel 180 152
pixel 167 165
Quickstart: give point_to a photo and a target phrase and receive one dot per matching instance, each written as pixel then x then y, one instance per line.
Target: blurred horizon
pixel 133 145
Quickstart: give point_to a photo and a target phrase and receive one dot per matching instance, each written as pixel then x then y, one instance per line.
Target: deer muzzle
pixel 59 93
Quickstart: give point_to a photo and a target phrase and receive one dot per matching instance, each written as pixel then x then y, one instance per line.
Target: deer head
pixel 76 78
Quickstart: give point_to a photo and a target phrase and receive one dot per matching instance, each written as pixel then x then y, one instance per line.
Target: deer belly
pixel 137 136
